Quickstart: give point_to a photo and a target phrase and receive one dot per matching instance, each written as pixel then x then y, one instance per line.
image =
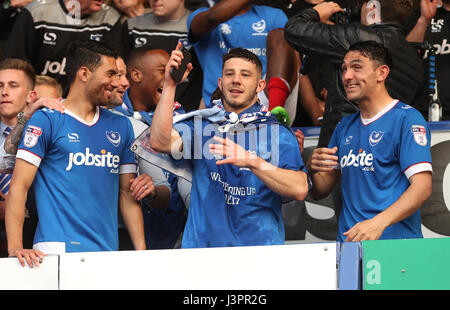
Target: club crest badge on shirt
pixel 375 137
pixel 420 134
pixel 32 134
pixel 113 137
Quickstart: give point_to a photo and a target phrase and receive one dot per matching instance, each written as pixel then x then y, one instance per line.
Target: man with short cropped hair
pixel 81 165
pixel 237 188
pixel 381 155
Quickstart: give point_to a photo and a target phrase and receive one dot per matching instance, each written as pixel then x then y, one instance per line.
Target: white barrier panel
pixel 15 277
pixel 287 267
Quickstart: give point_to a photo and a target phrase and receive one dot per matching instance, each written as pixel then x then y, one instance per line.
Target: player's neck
pixel 137 101
pixel 371 106
pixel 79 105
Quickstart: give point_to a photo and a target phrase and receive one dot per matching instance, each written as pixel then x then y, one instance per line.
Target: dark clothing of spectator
pixel 43 31
pixel 331 42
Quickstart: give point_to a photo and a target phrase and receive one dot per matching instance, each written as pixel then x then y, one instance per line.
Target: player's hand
pixel 323 159
pixel 428 9
pixel 234 154
pixel 142 186
pixel 51 103
pixel 32 257
pixel 175 61
pixel 326 10
pixel 300 139
pixel 370 229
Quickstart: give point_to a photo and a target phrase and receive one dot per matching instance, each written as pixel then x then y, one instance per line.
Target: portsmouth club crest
pixel 375 137
pixel 113 137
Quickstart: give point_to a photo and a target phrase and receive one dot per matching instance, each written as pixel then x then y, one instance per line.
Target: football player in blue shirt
pixel 80 164
pixel 236 200
pixel 381 155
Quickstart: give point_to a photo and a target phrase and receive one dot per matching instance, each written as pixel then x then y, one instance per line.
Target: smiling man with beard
pixel 381 155
pixel 237 189
pixel 81 165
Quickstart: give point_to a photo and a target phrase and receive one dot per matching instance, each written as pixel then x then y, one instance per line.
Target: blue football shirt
pixel 77 182
pixel 231 206
pixel 248 30
pixel 376 159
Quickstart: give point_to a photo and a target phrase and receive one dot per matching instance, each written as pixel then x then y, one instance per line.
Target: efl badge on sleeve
pixel 420 134
pixel 32 134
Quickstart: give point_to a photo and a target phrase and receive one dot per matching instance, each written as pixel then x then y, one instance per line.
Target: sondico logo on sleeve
pixel 105 159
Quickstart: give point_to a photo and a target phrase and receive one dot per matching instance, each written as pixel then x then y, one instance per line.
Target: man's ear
pixel 261 85
pixel 31 97
pixel 84 74
pixel 135 75
pixel 219 83
pixel 382 73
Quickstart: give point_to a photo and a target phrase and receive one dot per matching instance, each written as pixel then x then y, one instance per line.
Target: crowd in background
pixel 301 64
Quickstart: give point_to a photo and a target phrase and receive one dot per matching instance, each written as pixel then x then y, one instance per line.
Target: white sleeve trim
pixel 29 157
pixel 420 167
pixel 127 168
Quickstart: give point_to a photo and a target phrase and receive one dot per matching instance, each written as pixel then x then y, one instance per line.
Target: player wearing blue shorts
pixel 81 165
pixel 380 154
pixel 236 194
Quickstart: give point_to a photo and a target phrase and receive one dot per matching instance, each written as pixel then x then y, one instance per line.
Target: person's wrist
pixel 150 197
pixel 22 119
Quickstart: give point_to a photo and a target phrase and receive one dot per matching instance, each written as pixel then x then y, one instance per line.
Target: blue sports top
pixel 248 30
pixel 231 206
pixel 377 157
pixel 77 183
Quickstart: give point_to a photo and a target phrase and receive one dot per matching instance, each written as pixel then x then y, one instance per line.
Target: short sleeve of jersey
pixel 290 157
pixel 414 149
pixel 277 18
pixel 191 16
pixel 35 139
pixel 128 160
pixel 155 172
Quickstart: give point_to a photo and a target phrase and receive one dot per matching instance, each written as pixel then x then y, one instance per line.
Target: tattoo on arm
pixel 13 140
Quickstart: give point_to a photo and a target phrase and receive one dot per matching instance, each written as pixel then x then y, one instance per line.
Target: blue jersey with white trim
pixel 77 182
pixel 231 206
pixel 376 158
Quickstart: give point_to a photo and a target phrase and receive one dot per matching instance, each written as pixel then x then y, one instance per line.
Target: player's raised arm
pixel 163 137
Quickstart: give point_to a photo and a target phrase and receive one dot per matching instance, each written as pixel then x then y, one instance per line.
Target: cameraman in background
pixel 311 32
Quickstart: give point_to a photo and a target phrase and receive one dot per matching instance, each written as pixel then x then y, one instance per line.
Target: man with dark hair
pixel 165 213
pixel 76 159
pixel 163 28
pixel 236 194
pixel 43 30
pixel 381 155
pixel 311 32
